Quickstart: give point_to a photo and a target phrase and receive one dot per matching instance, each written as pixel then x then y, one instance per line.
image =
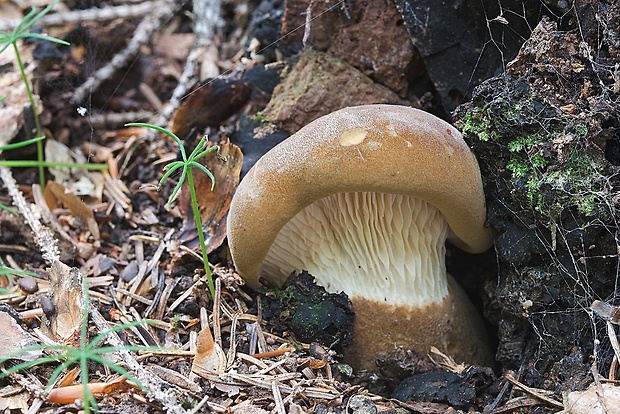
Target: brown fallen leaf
pixel 209 358
pixel 57 193
pixel 68 394
pixel 247 407
pixel 606 311
pixel 214 205
pixel 69 378
pixel 209 104
pixel 16 401
pixel 14 91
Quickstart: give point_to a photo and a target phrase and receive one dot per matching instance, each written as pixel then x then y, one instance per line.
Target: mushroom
pixel 364 199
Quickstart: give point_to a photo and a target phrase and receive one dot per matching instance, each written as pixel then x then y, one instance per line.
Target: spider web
pixel 547 150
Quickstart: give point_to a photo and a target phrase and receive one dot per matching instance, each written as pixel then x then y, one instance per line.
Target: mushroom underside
pixel 386 248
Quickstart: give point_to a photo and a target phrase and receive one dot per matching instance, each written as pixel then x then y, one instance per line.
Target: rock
pixel 28 284
pixel 463 42
pixel 368 36
pixel 307 92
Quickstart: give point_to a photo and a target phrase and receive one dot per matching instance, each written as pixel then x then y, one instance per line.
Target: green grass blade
pixel 163 131
pixel 9 209
pixel 30 364
pixel 37 17
pixel 46 38
pixel 4 270
pixel 21 144
pixel 199 147
pixel 52 379
pixel 205 152
pixel 22 26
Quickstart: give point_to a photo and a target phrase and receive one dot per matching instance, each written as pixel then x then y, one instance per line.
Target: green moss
pixel 477 123
pixel 260 117
pixel 518 168
pixel 546 152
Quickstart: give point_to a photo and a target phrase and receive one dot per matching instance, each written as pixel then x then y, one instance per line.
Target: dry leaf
pixel 15 402
pixel 14 91
pixel 247 408
pixel 606 311
pixel 68 395
pixel 209 104
pixel 230 389
pixel 69 378
pixel 57 193
pixel 209 358
pixel 15 338
pixel 214 205
pixel 56 151
pixel 590 402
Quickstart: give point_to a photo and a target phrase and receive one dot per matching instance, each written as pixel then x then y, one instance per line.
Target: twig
pixel 158 389
pixel 77 16
pixel 533 391
pixel 613 339
pixel 233 339
pixel 277 398
pixel 208 21
pixel 513 405
pixel 43 236
pixel 152 22
pixel 274 353
pixel 198 406
pixel 598 387
pixel 112 120
pixel 307 24
pixel 217 331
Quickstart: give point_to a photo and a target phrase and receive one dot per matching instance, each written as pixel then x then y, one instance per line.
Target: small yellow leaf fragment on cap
pixel 352 137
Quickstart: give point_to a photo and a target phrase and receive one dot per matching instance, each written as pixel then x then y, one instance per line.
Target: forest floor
pixel 102 277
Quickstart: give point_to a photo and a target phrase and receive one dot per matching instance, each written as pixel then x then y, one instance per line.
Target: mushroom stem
pixel 453 326
pixel 388 248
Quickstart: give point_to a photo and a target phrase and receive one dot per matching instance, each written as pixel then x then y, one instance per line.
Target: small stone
pixel 130 271
pixel 49 309
pixel 361 404
pixel 28 284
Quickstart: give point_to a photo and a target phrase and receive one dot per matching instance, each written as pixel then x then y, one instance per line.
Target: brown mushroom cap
pixel 405 164
pixel 373 148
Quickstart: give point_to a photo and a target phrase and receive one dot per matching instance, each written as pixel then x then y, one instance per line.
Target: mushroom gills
pixel 387 248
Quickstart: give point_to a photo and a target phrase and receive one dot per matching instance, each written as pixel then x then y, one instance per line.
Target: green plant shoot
pixel 8 39
pixel 186 165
